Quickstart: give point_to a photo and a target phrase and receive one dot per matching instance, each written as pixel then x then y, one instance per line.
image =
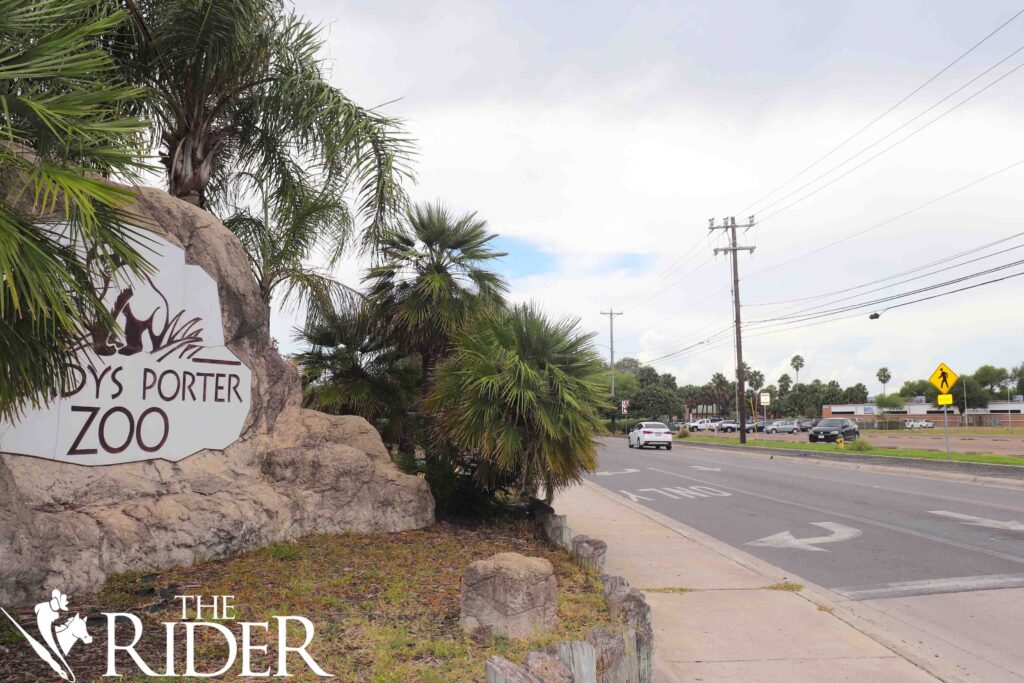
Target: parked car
pixel 808 423
pixel 674 426
pixel 733 426
pixel 784 426
pixel 919 424
pixel 703 425
pixel 830 428
pixel 645 434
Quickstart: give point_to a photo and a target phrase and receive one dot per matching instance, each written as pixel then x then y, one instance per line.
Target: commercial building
pixel 997 414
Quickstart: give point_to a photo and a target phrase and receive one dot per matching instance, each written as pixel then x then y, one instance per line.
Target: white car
pixel 784 426
pixel 650 434
pixel 920 424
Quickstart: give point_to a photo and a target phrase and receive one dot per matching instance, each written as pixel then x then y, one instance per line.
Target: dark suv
pixel 830 428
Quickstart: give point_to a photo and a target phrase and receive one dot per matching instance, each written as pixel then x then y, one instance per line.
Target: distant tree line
pixel 654 395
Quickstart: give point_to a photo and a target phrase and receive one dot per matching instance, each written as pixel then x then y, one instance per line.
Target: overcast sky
pixel 597 138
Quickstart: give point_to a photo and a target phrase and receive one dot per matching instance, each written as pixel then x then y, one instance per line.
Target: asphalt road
pixel 873 535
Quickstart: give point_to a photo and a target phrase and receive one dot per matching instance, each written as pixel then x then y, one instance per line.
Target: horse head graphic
pixel 58 639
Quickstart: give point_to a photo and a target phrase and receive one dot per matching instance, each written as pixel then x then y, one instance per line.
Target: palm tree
pixel 883 375
pixel 284 234
pixel 430 279
pixel 797 363
pixel 785 383
pixel 238 85
pixel 352 367
pixel 61 224
pixel 523 392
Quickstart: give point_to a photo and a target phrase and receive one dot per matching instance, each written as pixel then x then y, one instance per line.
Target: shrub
pixel 521 393
pixel 860 444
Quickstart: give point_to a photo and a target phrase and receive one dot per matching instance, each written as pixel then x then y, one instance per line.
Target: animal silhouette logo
pixel 58 636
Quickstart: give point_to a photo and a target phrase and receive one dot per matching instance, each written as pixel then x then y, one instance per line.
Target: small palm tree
pixel 430 279
pixel 61 224
pixel 797 363
pixel 352 367
pixel 284 234
pixel 784 384
pixel 523 392
pixel 239 85
pixel 883 375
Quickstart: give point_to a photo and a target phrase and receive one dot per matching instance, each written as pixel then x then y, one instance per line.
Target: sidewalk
pixel 714 617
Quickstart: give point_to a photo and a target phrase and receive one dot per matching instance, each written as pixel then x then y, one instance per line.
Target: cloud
pixel 605 138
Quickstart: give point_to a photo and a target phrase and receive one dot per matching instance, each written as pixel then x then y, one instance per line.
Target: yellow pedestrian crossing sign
pixel 943 378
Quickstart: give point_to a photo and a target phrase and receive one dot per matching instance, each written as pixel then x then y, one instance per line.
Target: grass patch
pixel 987 458
pixel 385 606
pixel 286 552
pixel 786 586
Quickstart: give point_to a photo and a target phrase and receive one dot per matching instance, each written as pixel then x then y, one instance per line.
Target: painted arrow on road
pixel 705 469
pixel 980 521
pixel 787 540
pixel 608 474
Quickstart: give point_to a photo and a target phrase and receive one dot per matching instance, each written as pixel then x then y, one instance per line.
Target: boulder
pixel 290 471
pixel 579 657
pixel 610 655
pixel 500 670
pixel 589 553
pixel 547 667
pixel 509 595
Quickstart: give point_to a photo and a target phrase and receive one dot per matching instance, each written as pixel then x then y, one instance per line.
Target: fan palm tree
pixel 431 279
pixel 883 375
pixel 797 363
pixel 284 234
pixel 238 85
pixel 352 367
pixel 61 224
pixel 523 392
pixel 784 384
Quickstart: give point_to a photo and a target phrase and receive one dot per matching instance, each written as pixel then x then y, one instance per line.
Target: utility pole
pixel 729 224
pixel 611 313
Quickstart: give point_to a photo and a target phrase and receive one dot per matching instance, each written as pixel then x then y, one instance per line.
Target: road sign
pixel 943 378
pixel 945 399
pixel 766 398
pixel 625 407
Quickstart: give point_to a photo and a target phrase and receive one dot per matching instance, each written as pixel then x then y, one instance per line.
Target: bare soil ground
pixel 385 607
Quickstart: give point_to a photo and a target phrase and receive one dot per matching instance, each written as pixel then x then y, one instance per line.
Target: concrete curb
pixel 872 623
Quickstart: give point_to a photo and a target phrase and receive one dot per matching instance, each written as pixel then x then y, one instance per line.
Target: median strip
pixel 984 458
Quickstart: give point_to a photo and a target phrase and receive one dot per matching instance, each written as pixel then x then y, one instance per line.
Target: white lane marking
pixel 959 584
pixel 609 474
pixel 633 497
pixel 787 540
pixel 664 493
pixel 980 521
pixel 855 518
pixel 705 469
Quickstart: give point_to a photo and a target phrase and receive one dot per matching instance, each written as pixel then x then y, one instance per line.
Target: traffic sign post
pixel 766 400
pixel 625 407
pixel 943 379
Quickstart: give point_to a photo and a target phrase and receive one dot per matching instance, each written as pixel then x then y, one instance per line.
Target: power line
pixel 944 260
pixel 893 145
pixel 893 132
pixel 875 302
pixel 885 113
pixel 887 221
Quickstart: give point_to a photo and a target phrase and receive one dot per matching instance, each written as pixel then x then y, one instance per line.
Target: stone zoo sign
pixel 163 386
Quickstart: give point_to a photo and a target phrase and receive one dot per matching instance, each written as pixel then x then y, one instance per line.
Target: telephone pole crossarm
pixel 730 225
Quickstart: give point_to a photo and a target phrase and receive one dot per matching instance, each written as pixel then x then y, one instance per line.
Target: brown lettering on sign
pixel 75 447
